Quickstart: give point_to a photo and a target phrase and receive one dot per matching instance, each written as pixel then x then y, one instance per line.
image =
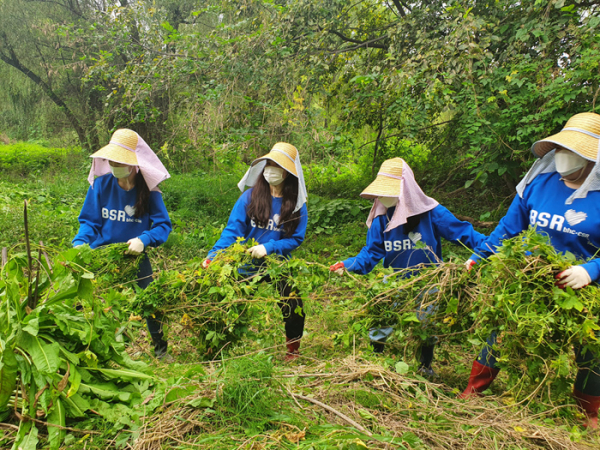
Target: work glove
pixel 337 268
pixel 258 251
pixel 574 277
pixel 136 246
pixel 469 264
pixel 205 263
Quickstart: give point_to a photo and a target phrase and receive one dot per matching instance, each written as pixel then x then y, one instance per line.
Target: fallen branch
pixel 336 412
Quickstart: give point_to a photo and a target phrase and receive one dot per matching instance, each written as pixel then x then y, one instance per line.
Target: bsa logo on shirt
pixel 271 225
pixel 557 222
pixel 125 215
pixel 405 244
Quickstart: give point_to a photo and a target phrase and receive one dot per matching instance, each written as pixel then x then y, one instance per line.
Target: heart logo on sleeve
pixel 574 217
pixel 415 237
pixel 130 210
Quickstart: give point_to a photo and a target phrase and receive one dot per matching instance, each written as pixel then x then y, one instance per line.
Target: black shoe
pixel 427 372
pixel 378 346
pixel 160 349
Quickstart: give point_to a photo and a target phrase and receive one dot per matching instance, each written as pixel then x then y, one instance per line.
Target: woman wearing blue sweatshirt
pixel 402 217
pixel 560 196
pixel 272 212
pixel 123 204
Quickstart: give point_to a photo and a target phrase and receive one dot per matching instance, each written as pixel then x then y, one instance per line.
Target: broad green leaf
pixel 105 391
pixel 74 380
pixel 401 367
pixel 32 327
pixel 123 374
pixel 45 357
pixel 201 402
pixel 76 405
pixel 85 290
pixel 27 437
pixel 8 373
pixel 57 416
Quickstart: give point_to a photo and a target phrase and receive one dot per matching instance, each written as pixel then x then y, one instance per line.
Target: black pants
pixel 291 307
pixel 588 375
pixel 144 278
pixel 587 380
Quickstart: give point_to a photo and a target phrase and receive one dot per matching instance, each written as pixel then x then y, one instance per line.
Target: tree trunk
pixel 13 61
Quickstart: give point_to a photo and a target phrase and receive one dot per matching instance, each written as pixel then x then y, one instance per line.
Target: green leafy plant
pixel 62 349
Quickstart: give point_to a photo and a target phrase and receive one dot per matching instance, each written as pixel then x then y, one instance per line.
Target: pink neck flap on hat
pixel 153 170
pixel 412 201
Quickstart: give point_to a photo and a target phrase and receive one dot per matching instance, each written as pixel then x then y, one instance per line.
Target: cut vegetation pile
pixel 513 294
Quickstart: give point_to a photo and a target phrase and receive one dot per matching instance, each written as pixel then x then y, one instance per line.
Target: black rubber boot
pixel 378 346
pixel 425 360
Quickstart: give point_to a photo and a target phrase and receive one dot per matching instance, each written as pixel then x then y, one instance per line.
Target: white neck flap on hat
pixel 547 164
pixel 255 171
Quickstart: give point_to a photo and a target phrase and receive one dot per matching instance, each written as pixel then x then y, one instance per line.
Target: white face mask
pixel 388 202
pixel 568 162
pixel 120 172
pixel 273 175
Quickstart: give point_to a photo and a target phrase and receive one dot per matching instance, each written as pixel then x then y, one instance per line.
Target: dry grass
pixel 326 393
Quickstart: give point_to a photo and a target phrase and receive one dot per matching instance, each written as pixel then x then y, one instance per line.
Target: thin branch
pixel 336 412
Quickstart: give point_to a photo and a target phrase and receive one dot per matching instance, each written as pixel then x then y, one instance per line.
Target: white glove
pixel 469 264
pixel 205 263
pixel 136 246
pixel 337 268
pixel 575 277
pixel 258 251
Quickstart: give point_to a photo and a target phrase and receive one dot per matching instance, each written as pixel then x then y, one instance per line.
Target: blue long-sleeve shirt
pixel 398 249
pixel 107 216
pixel 272 236
pixel 572 228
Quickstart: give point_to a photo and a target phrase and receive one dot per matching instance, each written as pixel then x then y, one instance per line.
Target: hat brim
pixel 281 160
pixel 580 143
pixel 382 186
pixel 117 154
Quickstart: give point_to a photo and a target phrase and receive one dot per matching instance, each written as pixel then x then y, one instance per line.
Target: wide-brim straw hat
pixel 283 154
pixel 121 148
pixel 388 181
pixel 581 134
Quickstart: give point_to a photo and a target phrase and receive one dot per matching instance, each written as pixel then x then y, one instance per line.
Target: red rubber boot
pixel 480 379
pixel 293 349
pixel 590 405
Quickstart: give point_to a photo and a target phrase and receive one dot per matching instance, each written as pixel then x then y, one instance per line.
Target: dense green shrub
pixel 27 157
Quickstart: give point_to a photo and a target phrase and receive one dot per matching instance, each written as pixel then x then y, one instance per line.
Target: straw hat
pixel 387 183
pixel 121 148
pixel 581 135
pixel 284 155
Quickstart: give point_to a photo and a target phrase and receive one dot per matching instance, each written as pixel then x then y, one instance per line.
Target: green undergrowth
pixel 24 158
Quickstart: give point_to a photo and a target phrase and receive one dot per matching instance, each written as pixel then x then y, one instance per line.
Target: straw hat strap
pixel 121 145
pixel 390 175
pixel 281 151
pixel 589 133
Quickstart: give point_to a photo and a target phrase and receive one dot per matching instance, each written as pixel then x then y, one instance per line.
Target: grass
pixel 338 395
